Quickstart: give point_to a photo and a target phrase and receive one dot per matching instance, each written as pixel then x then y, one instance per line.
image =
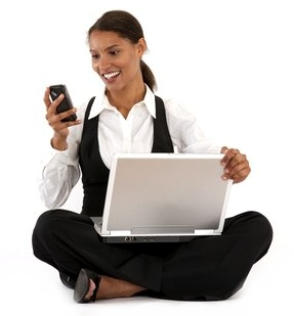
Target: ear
pixel 141 46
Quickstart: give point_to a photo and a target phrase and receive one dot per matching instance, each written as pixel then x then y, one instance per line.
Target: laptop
pixel 163 197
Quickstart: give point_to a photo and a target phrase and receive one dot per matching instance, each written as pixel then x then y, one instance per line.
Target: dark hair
pixel 126 26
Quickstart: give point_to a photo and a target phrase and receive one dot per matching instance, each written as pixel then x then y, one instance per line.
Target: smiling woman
pixel 118 65
pixel 117 50
pixel 131 118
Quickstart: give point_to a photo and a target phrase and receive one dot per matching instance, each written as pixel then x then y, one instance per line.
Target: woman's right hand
pixel 60 129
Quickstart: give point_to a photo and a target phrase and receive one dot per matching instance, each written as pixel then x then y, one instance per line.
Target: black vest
pixel 95 173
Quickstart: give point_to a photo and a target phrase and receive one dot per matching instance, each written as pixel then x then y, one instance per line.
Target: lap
pixel 246 223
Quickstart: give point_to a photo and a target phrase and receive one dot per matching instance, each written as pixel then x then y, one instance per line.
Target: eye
pixel 114 52
pixel 94 56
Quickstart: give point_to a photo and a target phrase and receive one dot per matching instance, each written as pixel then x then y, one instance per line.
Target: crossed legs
pixel 206 268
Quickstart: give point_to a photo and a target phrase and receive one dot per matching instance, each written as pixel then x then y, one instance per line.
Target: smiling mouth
pixel 111 75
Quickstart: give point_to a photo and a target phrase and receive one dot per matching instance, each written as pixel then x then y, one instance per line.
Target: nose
pixel 102 64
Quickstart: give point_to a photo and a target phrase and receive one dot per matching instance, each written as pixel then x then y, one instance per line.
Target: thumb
pixel 224 150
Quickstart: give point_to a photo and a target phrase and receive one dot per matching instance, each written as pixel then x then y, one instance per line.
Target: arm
pixel 62 172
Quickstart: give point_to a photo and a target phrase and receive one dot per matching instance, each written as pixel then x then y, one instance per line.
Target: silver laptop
pixel 158 197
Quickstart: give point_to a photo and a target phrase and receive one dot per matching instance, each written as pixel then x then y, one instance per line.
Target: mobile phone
pixel 65 104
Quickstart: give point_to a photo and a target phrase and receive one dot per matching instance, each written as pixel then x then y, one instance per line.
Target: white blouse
pixel 117 134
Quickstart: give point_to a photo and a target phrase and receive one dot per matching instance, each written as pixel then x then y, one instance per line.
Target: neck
pixel 127 97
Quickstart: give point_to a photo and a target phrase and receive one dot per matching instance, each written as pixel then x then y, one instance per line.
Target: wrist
pixel 58 142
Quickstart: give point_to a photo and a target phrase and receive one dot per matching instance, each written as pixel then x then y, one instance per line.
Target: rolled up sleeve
pixel 62 172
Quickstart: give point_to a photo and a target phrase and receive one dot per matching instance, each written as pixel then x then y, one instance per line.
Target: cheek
pixel 94 66
pixel 131 65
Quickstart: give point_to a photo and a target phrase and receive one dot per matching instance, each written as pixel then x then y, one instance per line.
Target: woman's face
pixel 116 60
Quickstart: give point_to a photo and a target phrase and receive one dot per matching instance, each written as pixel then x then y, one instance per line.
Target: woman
pixel 128 119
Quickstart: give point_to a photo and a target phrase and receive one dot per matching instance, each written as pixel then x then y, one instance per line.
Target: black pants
pixel 206 268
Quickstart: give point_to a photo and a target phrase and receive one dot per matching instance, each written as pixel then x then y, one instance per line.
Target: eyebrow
pixel 92 50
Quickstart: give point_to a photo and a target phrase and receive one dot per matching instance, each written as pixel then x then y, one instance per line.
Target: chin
pixel 118 87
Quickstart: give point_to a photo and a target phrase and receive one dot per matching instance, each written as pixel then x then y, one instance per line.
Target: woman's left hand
pixel 236 165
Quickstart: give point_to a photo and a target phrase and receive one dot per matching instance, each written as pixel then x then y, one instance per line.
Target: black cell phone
pixel 66 103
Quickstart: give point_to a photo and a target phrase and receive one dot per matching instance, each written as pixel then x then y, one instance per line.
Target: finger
pixel 243 165
pixel 236 160
pixel 224 149
pixel 235 177
pixel 46 97
pixel 65 114
pixel 63 125
pixel 238 169
pixel 73 123
pixel 228 156
pixel 55 103
pixel 241 175
pixel 54 119
pixel 51 111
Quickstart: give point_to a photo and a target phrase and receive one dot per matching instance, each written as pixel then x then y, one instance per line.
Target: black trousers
pixel 205 268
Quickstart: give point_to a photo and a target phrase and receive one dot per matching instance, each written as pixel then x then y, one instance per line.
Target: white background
pixel 229 62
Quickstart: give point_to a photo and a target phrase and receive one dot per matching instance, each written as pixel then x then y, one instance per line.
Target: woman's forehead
pixel 102 40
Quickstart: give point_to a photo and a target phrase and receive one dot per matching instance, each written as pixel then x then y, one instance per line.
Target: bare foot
pixel 111 288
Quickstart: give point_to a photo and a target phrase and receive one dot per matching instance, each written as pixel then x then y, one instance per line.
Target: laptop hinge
pixel 163 230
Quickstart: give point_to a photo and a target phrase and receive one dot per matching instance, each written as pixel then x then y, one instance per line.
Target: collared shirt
pixel 117 134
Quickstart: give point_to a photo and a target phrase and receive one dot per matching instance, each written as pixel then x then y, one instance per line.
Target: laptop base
pixel 146 239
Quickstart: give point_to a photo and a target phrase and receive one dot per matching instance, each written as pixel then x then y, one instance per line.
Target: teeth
pixel 110 75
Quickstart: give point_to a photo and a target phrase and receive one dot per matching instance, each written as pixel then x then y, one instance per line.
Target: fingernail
pixel 224 177
pixel 227 170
